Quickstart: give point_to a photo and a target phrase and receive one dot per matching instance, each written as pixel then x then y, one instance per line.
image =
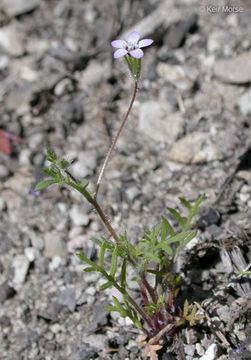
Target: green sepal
pixel 44 184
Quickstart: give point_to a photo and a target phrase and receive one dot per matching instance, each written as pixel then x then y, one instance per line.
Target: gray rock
pixel 217 40
pixel 36 240
pixel 94 74
pixel 245 103
pixel 56 262
pixel 176 75
pixel 3 171
pixel 77 216
pixel 6 292
pixel 11 39
pixel 72 111
pixel 97 341
pixel 156 24
pixel 21 266
pixel 3 204
pixel 194 148
pixel 156 121
pixel 35 140
pixel 132 193
pixel 67 298
pixel 42 264
pixel 86 164
pixel 4 62
pixel 18 7
pixel 189 349
pixel 54 245
pixel 177 33
pixel 31 253
pixel 235 70
pixel 210 353
pixel 224 313
pixel 63 87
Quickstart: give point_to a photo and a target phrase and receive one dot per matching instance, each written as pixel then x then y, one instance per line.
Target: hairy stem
pixel 115 140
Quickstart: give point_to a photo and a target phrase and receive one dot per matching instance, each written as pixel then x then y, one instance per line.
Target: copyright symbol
pixel 202 8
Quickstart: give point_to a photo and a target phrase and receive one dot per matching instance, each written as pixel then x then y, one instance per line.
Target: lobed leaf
pixel 102 254
pixel 168 226
pixel 89 269
pixel 114 262
pixel 178 217
pixel 185 203
pixel 106 285
pixel 88 261
pixel 44 184
pixel 123 274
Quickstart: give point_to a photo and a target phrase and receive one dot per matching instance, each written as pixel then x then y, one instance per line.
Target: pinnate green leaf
pixel 106 285
pixel 178 218
pixel 44 184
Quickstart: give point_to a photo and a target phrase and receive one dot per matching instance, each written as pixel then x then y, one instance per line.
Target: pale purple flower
pixel 132 46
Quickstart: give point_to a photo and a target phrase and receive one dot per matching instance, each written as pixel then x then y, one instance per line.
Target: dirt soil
pixel 188 134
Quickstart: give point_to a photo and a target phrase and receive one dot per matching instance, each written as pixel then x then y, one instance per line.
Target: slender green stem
pixel 115 140
pixel 92 201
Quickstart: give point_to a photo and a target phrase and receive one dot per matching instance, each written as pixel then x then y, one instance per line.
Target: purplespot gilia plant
pixel 157 250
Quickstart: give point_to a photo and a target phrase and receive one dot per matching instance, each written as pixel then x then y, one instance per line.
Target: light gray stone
pixel 87 162
pixel 67 298
pixel 210 353
pixel 94 74
pixel 189 349
pixel 31 253
pixel 18 7
pixel 36 240
pixel 176 75
pixel 4 62
pixel 156 24
pixel 132 193
pixel 217 40
pixel 245 103
pixel 97 341
pixel 11 39
pixel 234 70
pixel 3 171
pixel 63 87
pixel 194 148
pixel 21 266
pixel 78 217
pixel 224 313
pixel 156 121
pixel 54 245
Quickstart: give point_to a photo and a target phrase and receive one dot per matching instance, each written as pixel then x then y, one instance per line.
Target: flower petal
pixel 145 42
pixel 119 53
pixel 133 37
pixel 118 43
pixel 138 53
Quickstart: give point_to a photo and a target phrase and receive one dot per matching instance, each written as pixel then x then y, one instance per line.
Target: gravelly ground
pixel 187 132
